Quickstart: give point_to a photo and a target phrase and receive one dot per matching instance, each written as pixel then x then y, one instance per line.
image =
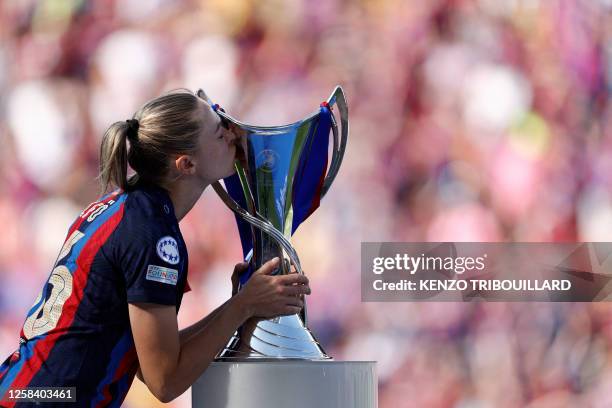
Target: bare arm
pixel 169 367
pixel 171 362
pixel 186 333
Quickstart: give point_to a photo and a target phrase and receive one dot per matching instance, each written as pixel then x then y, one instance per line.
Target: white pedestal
pixel 280 384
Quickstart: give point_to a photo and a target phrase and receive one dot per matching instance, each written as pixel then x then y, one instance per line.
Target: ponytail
pixel 114 157
pixel 167 125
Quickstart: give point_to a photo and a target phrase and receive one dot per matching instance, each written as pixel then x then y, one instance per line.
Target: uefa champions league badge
pixel 167 249
pixel 267 160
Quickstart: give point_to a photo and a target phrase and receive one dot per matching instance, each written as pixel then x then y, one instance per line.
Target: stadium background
pixel 474 120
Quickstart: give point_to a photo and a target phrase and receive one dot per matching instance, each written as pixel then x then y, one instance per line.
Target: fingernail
pixel 275 260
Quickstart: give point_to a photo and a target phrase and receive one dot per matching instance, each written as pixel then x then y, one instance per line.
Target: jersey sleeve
pixel 150 260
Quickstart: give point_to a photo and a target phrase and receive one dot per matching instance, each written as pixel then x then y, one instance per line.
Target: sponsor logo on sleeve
pixel 167 249
pixel 160 274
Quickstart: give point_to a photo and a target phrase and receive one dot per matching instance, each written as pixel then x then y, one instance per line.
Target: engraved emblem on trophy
pixel 284 173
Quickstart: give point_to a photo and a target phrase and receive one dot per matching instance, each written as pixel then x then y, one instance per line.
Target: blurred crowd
pixel 471 120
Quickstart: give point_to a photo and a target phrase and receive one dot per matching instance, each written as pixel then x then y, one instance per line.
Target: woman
pixel 108 310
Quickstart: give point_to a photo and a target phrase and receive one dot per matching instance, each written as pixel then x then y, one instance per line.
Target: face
pixel 217 147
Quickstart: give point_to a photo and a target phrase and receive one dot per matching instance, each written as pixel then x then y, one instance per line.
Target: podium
pixel 287 383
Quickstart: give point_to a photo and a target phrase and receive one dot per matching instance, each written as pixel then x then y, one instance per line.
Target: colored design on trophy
pixel 267 160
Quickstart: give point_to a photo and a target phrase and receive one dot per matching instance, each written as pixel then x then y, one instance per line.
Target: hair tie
pixel 133 126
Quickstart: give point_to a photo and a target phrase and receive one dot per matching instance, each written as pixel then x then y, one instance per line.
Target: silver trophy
pixel 281 175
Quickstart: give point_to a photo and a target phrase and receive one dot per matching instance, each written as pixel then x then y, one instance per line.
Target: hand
pixel 239 269
pixel 268 296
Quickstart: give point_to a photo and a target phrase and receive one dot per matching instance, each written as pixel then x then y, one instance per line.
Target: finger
pixel 268 267
pixel 290 310
pixel 292 279
pixel 293 301
pixel 296 290
pixel 241 267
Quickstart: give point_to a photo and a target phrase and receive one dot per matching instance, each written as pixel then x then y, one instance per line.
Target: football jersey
pixel 125 248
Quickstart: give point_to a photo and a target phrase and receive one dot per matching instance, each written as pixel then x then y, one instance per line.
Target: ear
pixel 185 164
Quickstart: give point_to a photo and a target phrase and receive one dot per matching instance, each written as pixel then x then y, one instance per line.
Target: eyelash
pixel 224 125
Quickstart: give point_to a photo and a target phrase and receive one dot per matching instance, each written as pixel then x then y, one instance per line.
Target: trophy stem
pixel 284 337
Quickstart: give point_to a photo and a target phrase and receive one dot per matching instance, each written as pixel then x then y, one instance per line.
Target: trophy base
pixel 296 384
pixel 281 338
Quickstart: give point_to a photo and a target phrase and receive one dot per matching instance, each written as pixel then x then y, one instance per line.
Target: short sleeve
pixel 151 256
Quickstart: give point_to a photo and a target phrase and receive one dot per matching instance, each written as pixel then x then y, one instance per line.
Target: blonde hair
pixel 164 126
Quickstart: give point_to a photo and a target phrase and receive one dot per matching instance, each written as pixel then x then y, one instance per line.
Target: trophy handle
pixel 258 221
pixel 337 98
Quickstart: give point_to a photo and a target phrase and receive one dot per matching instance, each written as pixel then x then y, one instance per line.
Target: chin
pixel 231 171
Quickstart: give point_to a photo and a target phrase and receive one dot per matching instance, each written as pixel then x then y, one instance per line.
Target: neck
pixel 184 194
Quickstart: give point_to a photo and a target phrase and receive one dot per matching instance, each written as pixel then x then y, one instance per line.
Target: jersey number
pixel 96 209
pixel 47 314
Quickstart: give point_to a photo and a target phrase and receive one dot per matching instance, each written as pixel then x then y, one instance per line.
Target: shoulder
pixel 145 203
pixel 148 206
pixel 148 220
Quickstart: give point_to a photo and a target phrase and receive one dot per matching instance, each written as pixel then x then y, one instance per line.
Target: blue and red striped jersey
pixel 124 248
